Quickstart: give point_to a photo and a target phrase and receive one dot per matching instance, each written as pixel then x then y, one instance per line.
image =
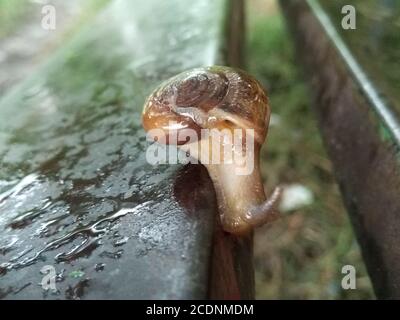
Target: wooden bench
pixel 355 77
pixel 77 194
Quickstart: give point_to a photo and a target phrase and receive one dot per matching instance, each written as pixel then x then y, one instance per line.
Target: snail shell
pixel 219 98
pixel 210 97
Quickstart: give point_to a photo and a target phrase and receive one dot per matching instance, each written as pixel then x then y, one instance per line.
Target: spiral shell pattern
pixel 210 97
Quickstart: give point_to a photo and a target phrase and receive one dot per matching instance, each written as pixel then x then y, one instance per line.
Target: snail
pixel 233 103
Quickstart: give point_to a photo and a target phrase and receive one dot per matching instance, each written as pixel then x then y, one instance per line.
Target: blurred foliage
pixel 301 255
pixel 14 13
pixel 11 11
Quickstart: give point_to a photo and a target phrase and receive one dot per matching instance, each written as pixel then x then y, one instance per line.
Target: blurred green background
pixel 300 256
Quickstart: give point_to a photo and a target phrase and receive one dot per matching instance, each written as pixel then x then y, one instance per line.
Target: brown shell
pixel 210 97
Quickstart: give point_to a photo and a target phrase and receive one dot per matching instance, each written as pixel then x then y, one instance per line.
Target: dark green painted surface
pixel 76 191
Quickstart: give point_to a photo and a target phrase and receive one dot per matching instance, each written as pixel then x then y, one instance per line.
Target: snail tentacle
pixel 265 212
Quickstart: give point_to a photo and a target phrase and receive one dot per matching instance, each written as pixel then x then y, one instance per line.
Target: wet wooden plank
pixel 76 191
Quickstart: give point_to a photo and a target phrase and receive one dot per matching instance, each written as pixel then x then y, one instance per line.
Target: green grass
pixel 11 13
pixel 300 256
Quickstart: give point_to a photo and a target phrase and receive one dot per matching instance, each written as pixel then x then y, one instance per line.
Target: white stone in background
pixel 275 120
pixel 295 196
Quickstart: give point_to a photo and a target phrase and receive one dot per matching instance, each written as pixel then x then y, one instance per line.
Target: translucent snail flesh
pixel 230 101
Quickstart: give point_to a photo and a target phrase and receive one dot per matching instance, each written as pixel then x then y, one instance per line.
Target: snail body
pixel 227 101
